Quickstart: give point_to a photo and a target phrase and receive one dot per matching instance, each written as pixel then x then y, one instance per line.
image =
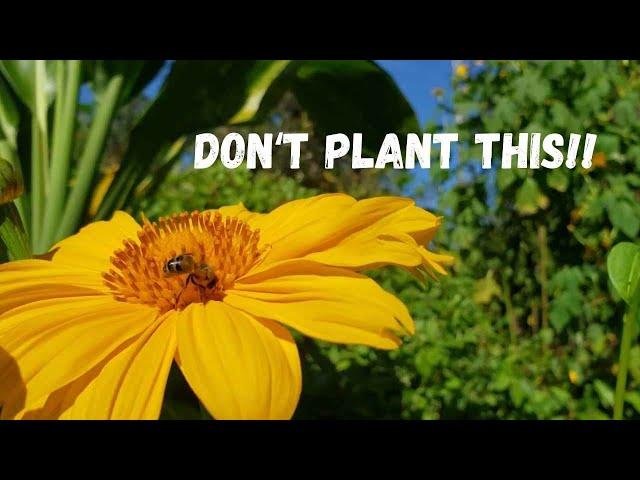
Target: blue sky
pixel 417 79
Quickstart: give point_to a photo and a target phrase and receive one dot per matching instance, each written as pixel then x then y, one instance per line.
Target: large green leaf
pixel 340 96
pixel 197 96
pixel 347 96
pixel 623 265
pixel 136 75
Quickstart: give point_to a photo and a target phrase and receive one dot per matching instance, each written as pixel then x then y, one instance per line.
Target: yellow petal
pixel 328 303
pixel 129 385
pixel 238 211
pixel 301 227
pixel 238 366
pixel 26 281
pixel 91 248
pixel 53 342
pixel 337 230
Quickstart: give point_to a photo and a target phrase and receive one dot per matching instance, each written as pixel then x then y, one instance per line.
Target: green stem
pixel 39 155
pixel 513 323
pixel 629 331
pixel 66 101
pixel 59 104
pixel 12 233
pixel 96 140
pixel 37 181
pixel 544 293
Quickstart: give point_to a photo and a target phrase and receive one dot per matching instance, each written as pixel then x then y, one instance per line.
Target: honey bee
pixel 200 274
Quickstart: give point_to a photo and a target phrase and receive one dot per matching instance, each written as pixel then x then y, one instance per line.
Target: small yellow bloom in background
pixel 92 331
pixel 599 160
pixel 576 214
pixel 462 70
pixel 573 377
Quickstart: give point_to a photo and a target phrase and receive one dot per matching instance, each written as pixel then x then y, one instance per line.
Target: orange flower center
pixel 182 259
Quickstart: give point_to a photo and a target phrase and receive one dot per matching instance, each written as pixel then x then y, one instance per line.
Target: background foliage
pixel 527 325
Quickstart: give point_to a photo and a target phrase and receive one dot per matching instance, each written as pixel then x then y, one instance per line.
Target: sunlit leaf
pixel 21 75
pixel 529 198
pixel 9 116
pixel 485 289
pixel 623 265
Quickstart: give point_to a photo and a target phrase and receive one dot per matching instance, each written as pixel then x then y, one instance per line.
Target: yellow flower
pixel 462 70
pixel 573 377
pixel 91 331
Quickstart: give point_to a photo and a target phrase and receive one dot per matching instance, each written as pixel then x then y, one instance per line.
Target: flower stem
pixel 629 331
pixel 37 181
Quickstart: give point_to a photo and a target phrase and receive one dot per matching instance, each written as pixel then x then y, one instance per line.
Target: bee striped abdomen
pixel 178 265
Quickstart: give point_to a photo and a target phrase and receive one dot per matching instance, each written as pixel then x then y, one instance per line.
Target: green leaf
pixel 89 159
pixel 199 96
pixel 532 87
pixel 12 233
pixel 136 75
pixel 609 144
pixel 558 180
pixel 485 289
pixel 623 265
pixel 563 118
pixel 196 97
pixel 564 308
pixel 21 75
pixel 519 391
pixel 256 93
pixel 529 198
pixel 9 117
pixel 350 96
pixel 69 75
pixel 633 399
pixel 624 216
pixel 605 392
pixel 505 177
